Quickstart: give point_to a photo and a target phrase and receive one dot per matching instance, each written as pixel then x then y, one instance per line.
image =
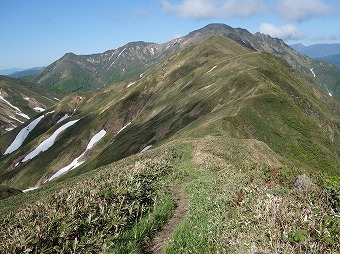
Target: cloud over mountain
pixel 287 32
pixel 202 9
pixel 287 9
pixel 303 10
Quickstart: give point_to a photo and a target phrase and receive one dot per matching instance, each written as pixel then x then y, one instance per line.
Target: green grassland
pixel 238 203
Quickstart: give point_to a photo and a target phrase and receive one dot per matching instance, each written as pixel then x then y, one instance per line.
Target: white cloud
pixel 204 9
pixel 302 10
pixel 287 32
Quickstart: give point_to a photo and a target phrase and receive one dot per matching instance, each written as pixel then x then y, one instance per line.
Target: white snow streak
pixel 8 103
pixel 123 128
pixel 9 129
pixel 16 119
pixel 211 69
pixel 95 139
pixel 63 118
pixel 146 148
pixel 14 107
pixel 22 135
pixel 329 93
pixel 56 99
pixel 117 57
pixel 131 84
pixel 22 115
pixel 30 189
pixel 47 143
pixel 312 72
pixel 76 162
pixel 39 109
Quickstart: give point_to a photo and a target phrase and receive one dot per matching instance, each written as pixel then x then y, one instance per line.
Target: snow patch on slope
pixel 22 115
pixel 30 189
pixel 16 119
pixel 9 104
pixel 63 118
pixel 211 69
pixel 146 148
pixel 18 111
pixel 22 135
pixel 131 84
pixel 117 57
pixel 76 162
pixel 123 128
pixel 312 72
pixel 47 143
pixel 39 109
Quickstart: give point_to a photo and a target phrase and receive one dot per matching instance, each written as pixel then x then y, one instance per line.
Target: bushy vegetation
pixel 89 215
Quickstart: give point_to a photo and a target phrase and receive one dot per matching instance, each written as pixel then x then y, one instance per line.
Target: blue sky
pixel 38 32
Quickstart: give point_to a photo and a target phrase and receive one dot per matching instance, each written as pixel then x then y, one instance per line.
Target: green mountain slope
pixel 73 73
pixel 21 101
pixel 252 142
pixel 215 88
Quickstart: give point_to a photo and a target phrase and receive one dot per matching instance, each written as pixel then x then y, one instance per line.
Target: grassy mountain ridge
pixel 73 73
pixel 253 143
pixel 219 87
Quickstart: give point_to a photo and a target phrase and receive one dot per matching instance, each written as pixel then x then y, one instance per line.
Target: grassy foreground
pixel 237 205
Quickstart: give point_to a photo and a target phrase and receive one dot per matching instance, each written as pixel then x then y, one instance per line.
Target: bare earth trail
pixel 156 246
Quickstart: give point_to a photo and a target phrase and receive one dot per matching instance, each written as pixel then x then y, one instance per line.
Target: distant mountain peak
pixel 134 59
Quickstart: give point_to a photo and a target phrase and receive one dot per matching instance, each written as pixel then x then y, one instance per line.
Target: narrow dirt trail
pixel 156 246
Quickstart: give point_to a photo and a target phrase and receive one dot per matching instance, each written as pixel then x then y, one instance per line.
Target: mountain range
pixel 202 81
pixel 322 52
pixel 73 73
pixel 317 50
pixel 218 115
pixel 26 72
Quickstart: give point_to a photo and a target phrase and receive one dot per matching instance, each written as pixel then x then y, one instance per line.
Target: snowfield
pixel 47 143
pixel 22 135
pixel 76 162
